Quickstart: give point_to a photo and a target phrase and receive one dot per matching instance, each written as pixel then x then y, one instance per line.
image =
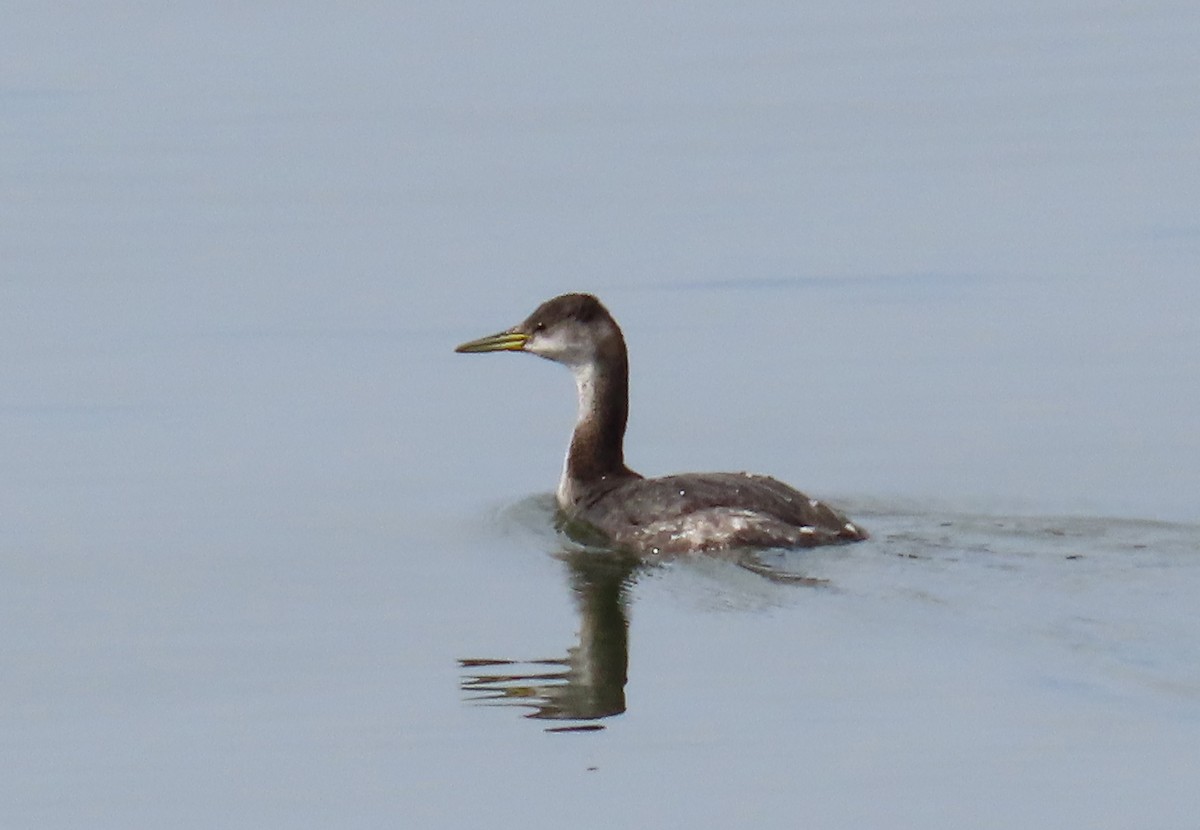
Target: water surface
pixel 275 556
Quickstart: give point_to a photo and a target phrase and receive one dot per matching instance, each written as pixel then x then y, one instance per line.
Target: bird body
pixel 669 514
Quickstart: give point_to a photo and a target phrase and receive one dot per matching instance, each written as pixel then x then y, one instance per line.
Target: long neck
pixel 597 444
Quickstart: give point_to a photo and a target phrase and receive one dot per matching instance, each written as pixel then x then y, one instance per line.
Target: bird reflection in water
pixel 589 683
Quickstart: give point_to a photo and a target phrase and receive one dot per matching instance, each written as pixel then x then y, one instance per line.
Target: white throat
pixel 585 387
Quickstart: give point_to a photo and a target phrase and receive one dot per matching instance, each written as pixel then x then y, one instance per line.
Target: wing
pixel 749 509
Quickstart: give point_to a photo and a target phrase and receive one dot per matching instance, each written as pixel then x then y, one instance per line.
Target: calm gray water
pixel 274 556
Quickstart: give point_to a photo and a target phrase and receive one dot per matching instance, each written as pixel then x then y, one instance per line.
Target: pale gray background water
pixel 936 263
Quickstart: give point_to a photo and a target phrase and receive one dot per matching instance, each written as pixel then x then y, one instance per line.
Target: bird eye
pixel 539 327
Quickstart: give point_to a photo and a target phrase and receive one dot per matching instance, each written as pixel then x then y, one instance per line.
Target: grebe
pixel 672 514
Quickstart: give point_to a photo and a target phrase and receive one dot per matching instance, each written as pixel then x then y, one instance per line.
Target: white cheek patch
pixel 559 345
pixel 546 344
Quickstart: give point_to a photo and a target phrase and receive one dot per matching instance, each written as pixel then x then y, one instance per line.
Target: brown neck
pixel 597 445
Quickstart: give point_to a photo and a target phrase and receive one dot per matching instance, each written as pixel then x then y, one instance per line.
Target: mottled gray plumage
pixel 704 511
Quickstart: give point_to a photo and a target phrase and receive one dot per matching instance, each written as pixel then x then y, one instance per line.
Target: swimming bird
pixel 599 494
